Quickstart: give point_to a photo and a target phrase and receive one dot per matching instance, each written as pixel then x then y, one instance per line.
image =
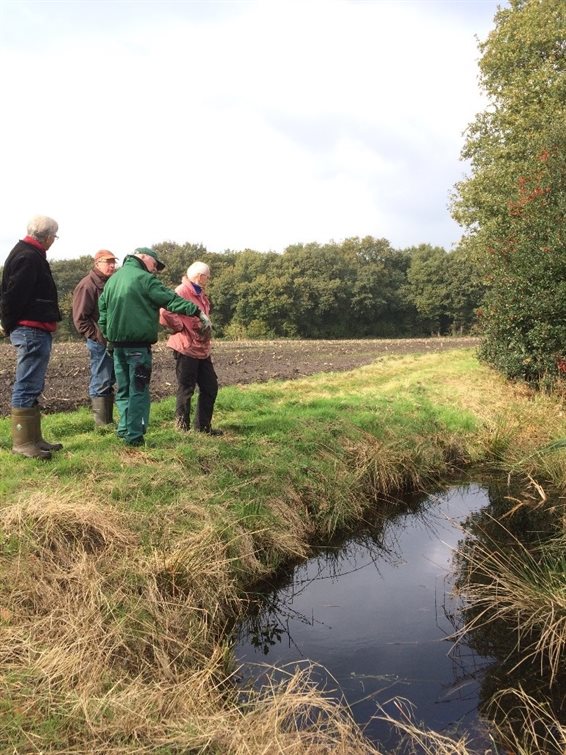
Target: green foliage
pixel 428 286
pixel 67 273
pixel 444 287
pixel 514 203
pixel 349 290
pixel 177 258
pixel 361 288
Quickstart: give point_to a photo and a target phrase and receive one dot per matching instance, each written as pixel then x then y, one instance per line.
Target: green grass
pixel 124 566
pixel 288 438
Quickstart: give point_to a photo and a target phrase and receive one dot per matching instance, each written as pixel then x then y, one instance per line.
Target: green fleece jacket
pixel 129 305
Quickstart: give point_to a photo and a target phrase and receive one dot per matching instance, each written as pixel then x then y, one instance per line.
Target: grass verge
pixel 121 568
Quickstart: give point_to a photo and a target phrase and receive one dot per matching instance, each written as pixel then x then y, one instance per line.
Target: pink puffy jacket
pixel 187 337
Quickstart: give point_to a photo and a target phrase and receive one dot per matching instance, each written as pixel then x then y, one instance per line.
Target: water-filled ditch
pixel 376 612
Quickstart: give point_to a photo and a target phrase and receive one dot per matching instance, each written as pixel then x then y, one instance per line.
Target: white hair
pixel 41 227
pixel 196 269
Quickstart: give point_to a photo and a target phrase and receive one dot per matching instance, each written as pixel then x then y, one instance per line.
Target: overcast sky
pixel 233 124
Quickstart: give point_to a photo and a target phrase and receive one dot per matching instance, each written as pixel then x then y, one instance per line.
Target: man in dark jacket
pixel 129 320
pixel 29 312
pixel 85 318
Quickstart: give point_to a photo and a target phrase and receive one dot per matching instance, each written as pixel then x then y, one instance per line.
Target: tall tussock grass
pixel 120 650
pixel 540 732
pixel 524 588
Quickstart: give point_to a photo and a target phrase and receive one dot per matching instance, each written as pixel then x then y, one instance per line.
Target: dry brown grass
pixel 294 717
pixel 540 733
pixel 523 588
pixel 416 739
pixel 381 470
pixel 193 715
pixel 55 589
pixel 124 647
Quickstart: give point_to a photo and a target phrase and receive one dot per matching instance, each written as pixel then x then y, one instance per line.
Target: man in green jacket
pixel 129 320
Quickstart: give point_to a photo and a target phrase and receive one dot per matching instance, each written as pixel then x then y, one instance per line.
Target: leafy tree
pixel 222 291
pixel 445 288
pixel 465 288
pixel 234 294
pixel 379 306
pixel 428 287
pixel 319 279
pixel 177 258
pixel 513 205
pixel 67 273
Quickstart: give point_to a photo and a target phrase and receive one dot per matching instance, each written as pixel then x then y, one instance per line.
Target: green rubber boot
pixel 24 433
pixel 41 442
pixel 102 407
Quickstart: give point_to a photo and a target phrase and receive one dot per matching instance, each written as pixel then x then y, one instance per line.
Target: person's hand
pixel 206 325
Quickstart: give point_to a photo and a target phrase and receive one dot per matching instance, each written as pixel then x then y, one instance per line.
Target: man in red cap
pixel 85 317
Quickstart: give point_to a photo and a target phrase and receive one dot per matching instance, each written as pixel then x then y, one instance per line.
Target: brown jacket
pixel 85 305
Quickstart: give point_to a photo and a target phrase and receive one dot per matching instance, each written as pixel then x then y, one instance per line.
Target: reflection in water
pixel 377 613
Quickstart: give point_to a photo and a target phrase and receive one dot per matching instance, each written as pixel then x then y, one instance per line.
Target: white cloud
pixel 245 124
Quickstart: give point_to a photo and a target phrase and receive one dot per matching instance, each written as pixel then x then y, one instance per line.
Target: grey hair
pixel 196 269
pixel 41 227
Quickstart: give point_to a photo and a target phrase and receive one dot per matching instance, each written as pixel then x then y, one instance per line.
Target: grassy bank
pixel 121 568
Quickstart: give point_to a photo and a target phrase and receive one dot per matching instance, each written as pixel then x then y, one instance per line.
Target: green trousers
pixel 132 366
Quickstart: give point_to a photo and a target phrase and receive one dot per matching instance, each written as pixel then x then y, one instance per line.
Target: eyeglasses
pixel 108 262
pixel 55 236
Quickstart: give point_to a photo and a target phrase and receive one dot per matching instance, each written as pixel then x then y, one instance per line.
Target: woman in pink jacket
pixel 191 346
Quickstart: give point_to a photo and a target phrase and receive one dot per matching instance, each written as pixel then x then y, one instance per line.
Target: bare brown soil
pixel 235 361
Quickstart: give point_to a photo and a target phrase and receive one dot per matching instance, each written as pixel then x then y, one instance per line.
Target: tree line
pixel 360 288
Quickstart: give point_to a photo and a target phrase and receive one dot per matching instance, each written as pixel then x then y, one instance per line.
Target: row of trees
pixel 357 289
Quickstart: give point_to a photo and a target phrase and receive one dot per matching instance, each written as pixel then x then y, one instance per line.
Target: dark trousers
pixel 190 373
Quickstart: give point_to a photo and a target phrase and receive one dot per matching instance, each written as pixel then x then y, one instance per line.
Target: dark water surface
pixel 377 613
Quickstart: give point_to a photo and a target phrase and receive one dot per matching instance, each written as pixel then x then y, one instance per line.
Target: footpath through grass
pixel 121 568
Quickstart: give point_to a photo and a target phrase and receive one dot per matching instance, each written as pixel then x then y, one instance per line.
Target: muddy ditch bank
pixel 235 361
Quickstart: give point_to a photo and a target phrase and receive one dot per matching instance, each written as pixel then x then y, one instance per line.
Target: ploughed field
pixel 66 386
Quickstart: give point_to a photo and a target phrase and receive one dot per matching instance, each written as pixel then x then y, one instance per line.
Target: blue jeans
pixel 101 370
pixel 34 350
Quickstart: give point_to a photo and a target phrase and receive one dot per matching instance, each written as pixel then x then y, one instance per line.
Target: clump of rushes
pixel 522 587
pixel 540 731
pixel 416 739
pixel 524 726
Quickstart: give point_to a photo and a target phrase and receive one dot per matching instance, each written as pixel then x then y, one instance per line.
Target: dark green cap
pixel 151 253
